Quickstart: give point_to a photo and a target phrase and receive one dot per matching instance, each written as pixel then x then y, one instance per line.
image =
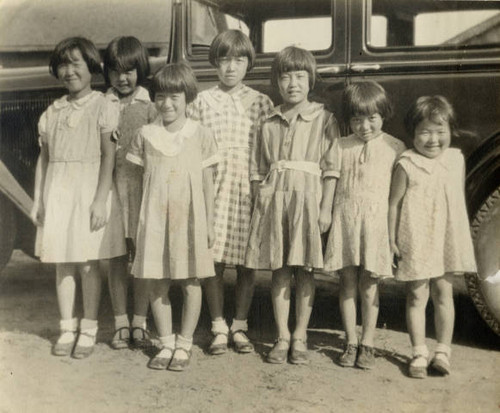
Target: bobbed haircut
pixel 231 43
pixel 434 108
pixel 127 53
pixel 63 53
pixel 365 99
pixel 291 59
pixel 176 78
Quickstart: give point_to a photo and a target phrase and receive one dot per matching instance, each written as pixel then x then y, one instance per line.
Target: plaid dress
pixel 235 119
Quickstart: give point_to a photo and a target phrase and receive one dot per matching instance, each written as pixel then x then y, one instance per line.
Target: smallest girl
pixel 358 243
pixel 429 227
pixel 126 68
pixel 175 226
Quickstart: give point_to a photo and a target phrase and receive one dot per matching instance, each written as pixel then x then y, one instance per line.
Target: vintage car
pixel 412 48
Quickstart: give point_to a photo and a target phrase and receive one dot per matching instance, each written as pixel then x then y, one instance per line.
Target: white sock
pixel 138 321
pixel 68 329
pixel 88 327
pixel 168 344
pixel 121 321
pixel 220 329
pixel 420 351
pixel 184 343
pixel 239 325
pixel 443 348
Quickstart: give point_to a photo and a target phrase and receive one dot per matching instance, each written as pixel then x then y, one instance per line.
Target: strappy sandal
pixel 143 341
pixel 120 340
pixel 64 349
pixel 159 362
pixel 441 363
pixel 177 364
pixel 242 346
pixel 81 352
pixel 219 348
pixel 298 356
pixel 417 368
pixel 278 355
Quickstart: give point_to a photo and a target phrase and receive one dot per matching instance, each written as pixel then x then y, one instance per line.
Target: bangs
pixel 123 63
pixel 292 59
pixel 176 78
pixel 366 108
pixel 231 43
pixel 236 49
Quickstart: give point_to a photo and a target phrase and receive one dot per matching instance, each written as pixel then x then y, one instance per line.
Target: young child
pixel 358 243
pixel 126 67
pixel 175 226
pixel 73 191
pixel 234 113
pixel 429 227
pixel 293 167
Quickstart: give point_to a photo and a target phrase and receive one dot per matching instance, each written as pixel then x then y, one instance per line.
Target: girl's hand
pixel 254 190
pixel 38 214
pixel 325 220
pixel 97 215
pixel 395 253
pixel 210 235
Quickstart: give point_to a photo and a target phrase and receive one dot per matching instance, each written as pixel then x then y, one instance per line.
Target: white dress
pixel 433 234
pixel 71 130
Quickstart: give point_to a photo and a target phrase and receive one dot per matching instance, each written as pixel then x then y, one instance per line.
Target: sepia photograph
pixel 249 206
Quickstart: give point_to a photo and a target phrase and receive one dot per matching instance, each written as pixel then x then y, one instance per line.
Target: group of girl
pixel 193 182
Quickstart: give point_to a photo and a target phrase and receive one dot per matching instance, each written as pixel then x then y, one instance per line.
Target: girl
pixel 73 197
pixel 294 163
pixel 126 67
pixel 429 227
pixel 175 226
pixel 358 243
pixel 234 113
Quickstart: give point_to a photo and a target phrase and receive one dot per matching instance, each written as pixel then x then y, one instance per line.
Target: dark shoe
pixel 298 356
pixel 217 349
pixel 243 345
pixel 121 338
pixel 179 364
pixel 64 349
pixel 348 358
pixel 141 340
pixel 417 368
pixel 82 352
pixel 278 355
pixel 159 362
pixel 441 363
pixel 366 357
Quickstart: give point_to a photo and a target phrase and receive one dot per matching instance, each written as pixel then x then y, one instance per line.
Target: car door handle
pixel 362 68
pixel 329 69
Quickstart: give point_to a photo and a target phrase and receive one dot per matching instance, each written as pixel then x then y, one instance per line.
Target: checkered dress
pixel 235 119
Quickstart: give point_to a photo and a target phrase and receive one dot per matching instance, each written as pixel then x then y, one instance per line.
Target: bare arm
pixel 325 213
pixel 398 190
pixel 38 211
pixel 98 215
pixel 208 193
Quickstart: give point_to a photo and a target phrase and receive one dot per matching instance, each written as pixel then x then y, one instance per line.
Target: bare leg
pixel 444 309
pixel 245 286
pixel 280 290
pixel 91 289
pixel 214 290
pixel 160 306
pixel 191 307
pixel 66 289
pixel 348 300
pixel 416 301
pixel 368 290
pixel 305 290
pixel 118 284
pixel 141 297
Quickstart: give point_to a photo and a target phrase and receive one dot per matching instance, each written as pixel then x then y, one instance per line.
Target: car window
pixel 433 24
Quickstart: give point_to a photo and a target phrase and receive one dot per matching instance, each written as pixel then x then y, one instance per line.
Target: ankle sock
pixel 221 330
pixel 168 345
pixel 239 325
pixel 443 348
pixel 68 329
pixel 184 343
pixel 138 321
pixel 89 327
pixel 121 321
pixel 420 350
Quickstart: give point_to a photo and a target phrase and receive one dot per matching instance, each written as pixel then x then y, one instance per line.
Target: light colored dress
pixel 291 160
pixel 235 119
pixel 433 234
pixel 172 233
pixel 71 130
pixel 128 177
pixel 359 235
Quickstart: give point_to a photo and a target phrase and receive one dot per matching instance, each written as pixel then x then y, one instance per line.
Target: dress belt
pixel 304 166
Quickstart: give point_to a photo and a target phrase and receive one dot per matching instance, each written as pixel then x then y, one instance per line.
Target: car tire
pixel 485 229
pixel 8 230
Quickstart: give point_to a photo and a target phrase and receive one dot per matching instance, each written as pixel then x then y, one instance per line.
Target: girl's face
pixel 124 82
pixel 231 70
pixel 75 75
pixel 367 127
pixel 294 86
pixel 171 106
pixel 431 138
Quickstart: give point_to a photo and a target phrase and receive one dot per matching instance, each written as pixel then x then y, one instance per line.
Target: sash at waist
pixel 89 160
pixel 304 166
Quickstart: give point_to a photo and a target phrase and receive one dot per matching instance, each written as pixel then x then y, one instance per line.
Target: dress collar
pixel 308 113
pixel 186 131
pixel 77 103
pixel 140 95
pixel 424 163
pixel 241 98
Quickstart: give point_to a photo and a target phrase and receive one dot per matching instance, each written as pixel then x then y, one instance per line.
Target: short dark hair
pixel 364 99
pixel 291 59
pixel 231 43
pixel 176 78
pixel 127 53
pixel 63 50
pixel 434 108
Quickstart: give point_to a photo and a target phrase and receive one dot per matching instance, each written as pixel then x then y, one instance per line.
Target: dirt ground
pixel 31 380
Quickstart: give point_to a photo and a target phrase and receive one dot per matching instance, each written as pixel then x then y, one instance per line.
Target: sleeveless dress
pixel 235 120
pixel 359 235
pixel 172 233
pixel 128 177
pixel 71 130
pixel 291 160
pixel 433 234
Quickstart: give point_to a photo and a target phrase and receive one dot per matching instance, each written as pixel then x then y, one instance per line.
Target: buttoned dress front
pixel 292 159
pixel 433 234
pixel 235 120
pixel 172 233
pixel 71 130
pixel 359 235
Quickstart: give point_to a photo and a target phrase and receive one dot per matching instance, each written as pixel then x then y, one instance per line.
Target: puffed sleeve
pixel 193 109
pixel 109 116
pixel 331 152
pixel 42 129
pixel 135 153
pixel 209 153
